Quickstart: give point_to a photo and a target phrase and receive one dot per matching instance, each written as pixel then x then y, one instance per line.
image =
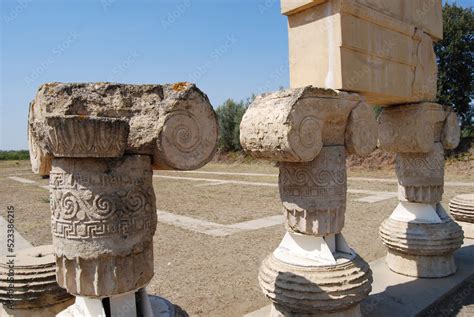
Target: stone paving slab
pixel 19 244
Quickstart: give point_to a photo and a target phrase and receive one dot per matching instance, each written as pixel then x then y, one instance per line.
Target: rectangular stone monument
pixel 381 49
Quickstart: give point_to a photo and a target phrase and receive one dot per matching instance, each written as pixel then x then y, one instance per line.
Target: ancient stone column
pixel 103 141
pixel 28 284
pixel 461 208
pixel 420 237
pixel 313 272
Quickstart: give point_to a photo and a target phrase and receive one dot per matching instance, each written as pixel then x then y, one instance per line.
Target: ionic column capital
pixel 293 125
pixel 415 128
pixel 173 123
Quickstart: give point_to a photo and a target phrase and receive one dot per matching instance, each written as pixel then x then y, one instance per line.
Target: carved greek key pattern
pixel 80 230
pixel 98 205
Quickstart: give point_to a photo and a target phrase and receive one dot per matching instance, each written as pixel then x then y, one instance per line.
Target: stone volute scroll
pixel 309 131
pixel 100 142
pixel 172 123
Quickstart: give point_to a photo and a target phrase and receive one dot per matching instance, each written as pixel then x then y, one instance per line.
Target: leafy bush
pixel 14 155
pixel 230 115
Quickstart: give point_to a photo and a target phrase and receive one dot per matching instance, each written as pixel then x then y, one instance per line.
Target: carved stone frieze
pixel 103 213
pixel 421 176
pixel 314 193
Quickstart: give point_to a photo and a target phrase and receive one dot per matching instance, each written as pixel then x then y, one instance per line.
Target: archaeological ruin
pixel 382 52
pixel 103 142
pixel 100 143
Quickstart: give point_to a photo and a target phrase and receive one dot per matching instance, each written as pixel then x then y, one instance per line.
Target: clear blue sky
pixel 230 48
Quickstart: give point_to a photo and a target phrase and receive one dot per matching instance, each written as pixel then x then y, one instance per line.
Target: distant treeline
pixel 14 155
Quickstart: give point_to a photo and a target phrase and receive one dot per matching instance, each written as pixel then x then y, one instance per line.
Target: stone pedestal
pixel 100 142
pixel 298 290
pixel 28 284
pixel 422 246
pixel 461 208
pixel 313 272
pixel 420 237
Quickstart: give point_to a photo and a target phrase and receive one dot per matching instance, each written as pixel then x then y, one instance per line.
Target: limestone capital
pixel 414 128
pixel 293 125
pixel 173 123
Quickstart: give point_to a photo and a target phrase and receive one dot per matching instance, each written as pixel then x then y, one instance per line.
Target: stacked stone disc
pixel 462 209
pixel 302 291
pixel 422 248
pixel 34 287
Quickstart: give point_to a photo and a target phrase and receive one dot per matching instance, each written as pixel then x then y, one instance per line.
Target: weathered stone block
pixel 40 161
pixel 450 136
pixel 421 176
pixel 174 123
pixel 414 128
pixel 314 193
pixel 353 46
pixel 293 125
pixel 423 14
pixel 103 222
pixel 361 131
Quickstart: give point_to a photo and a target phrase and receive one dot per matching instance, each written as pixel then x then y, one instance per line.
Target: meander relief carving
pixel 88 205
pixel 321 183
pixel 428 167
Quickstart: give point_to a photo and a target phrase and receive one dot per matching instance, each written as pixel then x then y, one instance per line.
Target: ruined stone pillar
pixel 461 208
pixel 313 272
pixel 28 284
pixel 420 237
pixel 103 141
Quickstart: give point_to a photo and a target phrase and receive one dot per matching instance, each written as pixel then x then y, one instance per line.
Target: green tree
pixel 455 55
pixel 230 115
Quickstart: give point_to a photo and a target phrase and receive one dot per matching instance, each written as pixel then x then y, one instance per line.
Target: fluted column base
pixel 327 290
pixel 422 249
pixel 50 311
pixel 421 266
pixel 112 275
pixel 461 208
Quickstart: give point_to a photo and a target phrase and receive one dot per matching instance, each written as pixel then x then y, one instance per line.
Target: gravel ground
pixel 216 276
